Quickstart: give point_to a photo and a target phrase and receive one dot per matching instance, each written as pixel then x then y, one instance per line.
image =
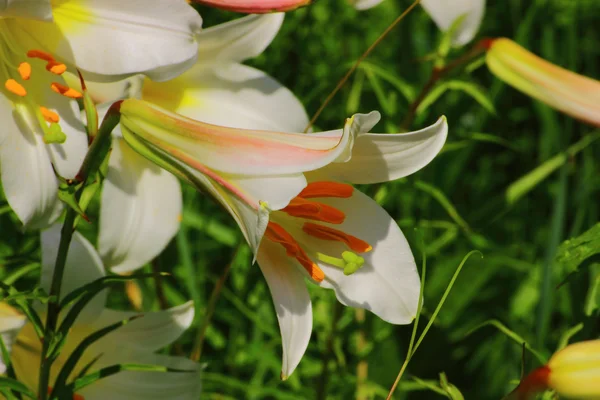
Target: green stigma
pixel 350 262
pixel 54 134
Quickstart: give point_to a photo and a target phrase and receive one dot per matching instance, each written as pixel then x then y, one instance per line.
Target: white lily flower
pixel 284 191
pixel 40 40
pixel 135 342
pixel 445 13
pixel 141 203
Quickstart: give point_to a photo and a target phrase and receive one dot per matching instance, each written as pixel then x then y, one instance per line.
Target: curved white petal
pixel 238 151
pixel 11 322
pixel 231 95
pixel 388 283
pixel 385 157
pixel 238 40
pixel 82 267
pixel 30 185
pixel 113 38
pixel 130 385
pixel 153 331
pixel 444 13
pixel 140 210
pixel 292 303
pixel 107 92
pixel 364 4
pixel 33 9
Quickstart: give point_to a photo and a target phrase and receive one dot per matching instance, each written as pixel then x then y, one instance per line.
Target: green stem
pixel 66 235
pixel 96 153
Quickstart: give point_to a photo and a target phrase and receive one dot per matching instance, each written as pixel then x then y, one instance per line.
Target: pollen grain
pixel 24 70
pixel 49 115
pixel 15 87
pixel 65 90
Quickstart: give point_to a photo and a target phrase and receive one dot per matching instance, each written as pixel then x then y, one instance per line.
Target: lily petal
pixel 30 186
pixel 162 33
pixel 255 6
pixel 238 40
pixel 239 151
pixel 292 303
pixel 11 322
pixel 153 331
pixel 140 212
pixel 134 385
pixel 33 9
pixel 364 4
pixel 388 283
pixel 444 13
pixel 573 94
pixel 386 157
pixel 232 95
pixel 83 266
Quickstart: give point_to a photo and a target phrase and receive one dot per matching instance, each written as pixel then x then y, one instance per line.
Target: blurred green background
pixel 478 194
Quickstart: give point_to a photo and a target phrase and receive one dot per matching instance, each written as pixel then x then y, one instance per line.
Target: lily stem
pixel 96 153
pixel 436 74
pixel 360 59
pixel 66 235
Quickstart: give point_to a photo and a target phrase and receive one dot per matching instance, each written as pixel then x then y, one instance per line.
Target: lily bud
pixel 573 372
pixel 573 94
pixel 255 6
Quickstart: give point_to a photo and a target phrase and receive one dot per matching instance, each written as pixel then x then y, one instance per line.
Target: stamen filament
pixel 277 234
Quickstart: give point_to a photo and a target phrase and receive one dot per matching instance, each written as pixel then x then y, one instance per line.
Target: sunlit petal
pixel 292 303
pixel 140 211
pixel 385 157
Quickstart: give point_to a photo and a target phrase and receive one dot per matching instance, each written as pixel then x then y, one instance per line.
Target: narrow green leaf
pixel 105 372
pixel 16 386
pixel 567 335
pixel 60 389
pixel 526 183
pixel 444 202
pixel 512 335
pixel 353 102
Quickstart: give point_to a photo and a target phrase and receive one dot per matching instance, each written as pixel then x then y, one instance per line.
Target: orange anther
pixel 327 233
pixel 15 87
pixel 49 115
pixel 24 70
pixel 316 211
pixel 42 55
pixel 277 234
pixel 65 90
pixel 56 67
pixel 326 189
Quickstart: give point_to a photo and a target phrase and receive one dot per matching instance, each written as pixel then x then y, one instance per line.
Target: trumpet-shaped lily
pixel 573 94
pixel 573 372
pixel 255 6
pixel 288 194
pixel 42 39
pixel 135 342
pixel 445 14
pixel 138 196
